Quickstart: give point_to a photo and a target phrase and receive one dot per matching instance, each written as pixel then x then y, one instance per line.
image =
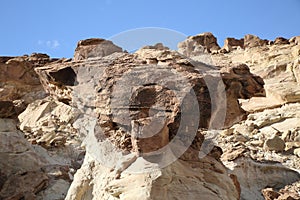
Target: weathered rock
pixel 297 152
pixel 48 123
pixel 255 176
pixel 58 190
pixel 283 194
pixel 231 44
pixel 286 115
pixel 126 130
pixel 166 60
pixel 17 155
pixel 290 192
pixel 257 104
pixel 277 113
pixel 7 109
pixel 275 143
pixel 251 41
pixel 209 183
pixel 280 41
pixel 233 154
pixel 236 88
pixel 158 46
pixel 94 47
pixel 270 194
pixel 156 80
pixel 280 71
pixel 28 171
pixel 24 185
pixel 20 167
pixel 198 44
pixel 20 84
pixel 295 40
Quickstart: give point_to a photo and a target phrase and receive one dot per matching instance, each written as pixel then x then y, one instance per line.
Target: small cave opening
pixel 65 76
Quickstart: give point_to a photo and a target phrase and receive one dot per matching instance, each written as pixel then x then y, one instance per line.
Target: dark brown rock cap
pixel 95 47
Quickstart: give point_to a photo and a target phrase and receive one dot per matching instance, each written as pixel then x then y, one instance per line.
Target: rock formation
pixel 112 125
pixel 94 47
pixel 20 84
pixel 163 80
pixel 268 137
pixel 195 45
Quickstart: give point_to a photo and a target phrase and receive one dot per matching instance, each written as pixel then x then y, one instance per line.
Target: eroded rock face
pixel 254 41
pixel 137 102
pixel 278 65
pixel 205 179
pixel 283 194
pixel 94 47
pixel 126 109
pixel 233 44
pixel 247 86
pixel 19 84
pixel 48 123
pixel 198 44
pixel 253 176
pixel 162 63
pixel 268 138
pixel 20 167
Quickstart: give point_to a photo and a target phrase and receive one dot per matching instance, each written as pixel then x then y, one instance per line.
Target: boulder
pixel 251 41
pixel 274 144
pixel 198 44
pixel 94 47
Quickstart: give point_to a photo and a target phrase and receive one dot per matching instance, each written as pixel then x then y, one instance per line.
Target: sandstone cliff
pixel 203 122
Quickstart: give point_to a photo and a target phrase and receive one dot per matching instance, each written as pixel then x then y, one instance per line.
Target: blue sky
pixel 55 26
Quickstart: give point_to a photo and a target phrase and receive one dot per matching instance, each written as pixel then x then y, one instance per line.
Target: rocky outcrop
pixel 268 137
pixel 231 44
pixel 94 47
pixel 31 172
pixel 152 119
pixel 111 68
pixel 20 84
pixel 254 176
pixel 251 41
pixel 20 167
pixel 295 40
pixel 281 41
pixel 278 65
pixel 248 86
pixel 198 44
pixel 154 113
pixel 268 140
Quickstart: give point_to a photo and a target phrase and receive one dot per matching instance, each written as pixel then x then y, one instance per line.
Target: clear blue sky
pixel 55 26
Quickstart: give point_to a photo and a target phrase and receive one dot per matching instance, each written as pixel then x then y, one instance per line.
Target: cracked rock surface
pixel 205 122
